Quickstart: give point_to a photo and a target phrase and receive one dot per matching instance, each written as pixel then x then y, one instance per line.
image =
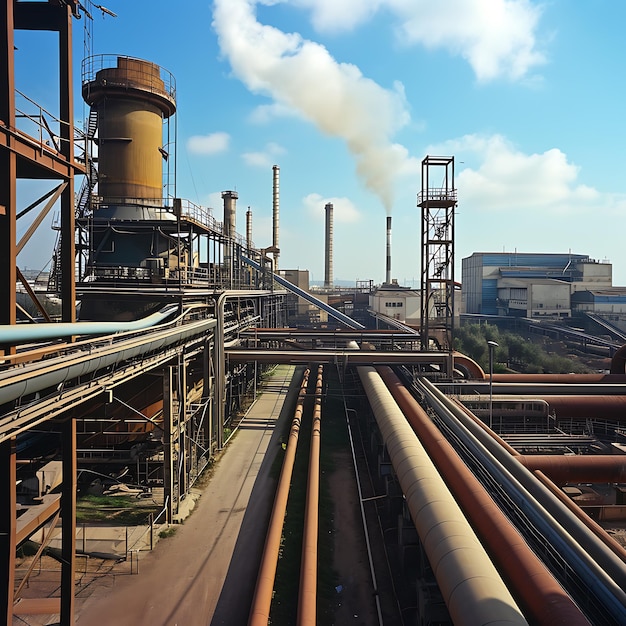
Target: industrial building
pixel 531 285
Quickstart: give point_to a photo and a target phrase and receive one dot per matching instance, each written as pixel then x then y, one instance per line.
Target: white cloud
pixel 267 112
pixel 208 144
pixel 265 158
pixel 344 210
pixel 340 15
pixel 503 179
pixel 496 37
pixel 302 75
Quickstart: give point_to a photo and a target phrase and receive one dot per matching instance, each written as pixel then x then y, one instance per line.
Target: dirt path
pixel 355 597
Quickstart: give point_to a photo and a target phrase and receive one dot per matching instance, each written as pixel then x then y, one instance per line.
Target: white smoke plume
pixel 302 75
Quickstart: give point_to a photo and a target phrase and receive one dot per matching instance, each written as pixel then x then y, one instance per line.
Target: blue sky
pixel 348 97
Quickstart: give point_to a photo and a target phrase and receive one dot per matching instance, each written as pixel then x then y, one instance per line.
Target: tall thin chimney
pixel 249 228
pixel 388 272
pixel 230 212
pixel 328 257
pixel 275 207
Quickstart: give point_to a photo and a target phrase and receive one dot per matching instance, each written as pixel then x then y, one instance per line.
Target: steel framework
pixel 437 200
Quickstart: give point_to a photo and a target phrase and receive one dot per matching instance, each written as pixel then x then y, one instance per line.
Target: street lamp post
pixel 492 345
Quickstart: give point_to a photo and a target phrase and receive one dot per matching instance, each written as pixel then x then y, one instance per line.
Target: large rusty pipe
pixel 617 547
pixel 561 469
pixel 470 585
pixel 262 600
pixel 601 407
pixel 543 598
pixel 559 378
pixel 308 569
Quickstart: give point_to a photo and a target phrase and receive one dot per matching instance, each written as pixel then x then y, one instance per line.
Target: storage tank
pixel 131 97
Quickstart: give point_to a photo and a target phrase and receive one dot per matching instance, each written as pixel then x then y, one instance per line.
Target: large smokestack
pixel 388 270
pixel 275 206
pixel 230 212
pixel 328 257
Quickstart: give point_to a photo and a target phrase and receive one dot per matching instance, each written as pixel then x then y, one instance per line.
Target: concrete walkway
pixel 206 573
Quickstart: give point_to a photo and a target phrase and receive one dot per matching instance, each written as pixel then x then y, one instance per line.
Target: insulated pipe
pixel 545 601
pixel 471 587
pixel 308 567
pixel 28 333
pixel 262 600
pixel 52 372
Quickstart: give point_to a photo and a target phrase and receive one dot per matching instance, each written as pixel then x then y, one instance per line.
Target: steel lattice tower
pixel 437 200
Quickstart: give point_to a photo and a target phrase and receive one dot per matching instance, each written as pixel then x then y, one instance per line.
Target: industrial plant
pixel 480 496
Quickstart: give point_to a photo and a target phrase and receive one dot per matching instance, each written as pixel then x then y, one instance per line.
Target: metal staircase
pixel 82 203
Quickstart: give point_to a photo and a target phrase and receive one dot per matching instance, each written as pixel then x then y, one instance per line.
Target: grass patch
pixel 170 531
pixel 122 510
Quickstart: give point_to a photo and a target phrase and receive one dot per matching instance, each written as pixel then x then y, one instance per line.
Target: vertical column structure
pixel 24 150
pixel 68 225
pixel 7 528
pixel 275 215
pixel 68 515
pixel 168 448
pixel 328 256
pixel 8 174
pixel 249 243
pixel 437 200
pixel 230 230
pixel 388 259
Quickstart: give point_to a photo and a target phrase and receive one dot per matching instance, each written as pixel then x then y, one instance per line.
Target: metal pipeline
pixel 542 597
pixel 471 587
pixel 38 376
pixel 563 469
pixel 600 569
pixel 599 532
pixel 601 407
pixel 308 568
pixel 566 379
pixel 510 449
pixel 338 315
pixel 14 334
pixel 262 600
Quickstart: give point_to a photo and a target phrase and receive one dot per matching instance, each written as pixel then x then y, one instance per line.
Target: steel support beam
pixel 7 529
pixel 68 524
pixel 168 452
pixel 8 169
pixel 68 247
